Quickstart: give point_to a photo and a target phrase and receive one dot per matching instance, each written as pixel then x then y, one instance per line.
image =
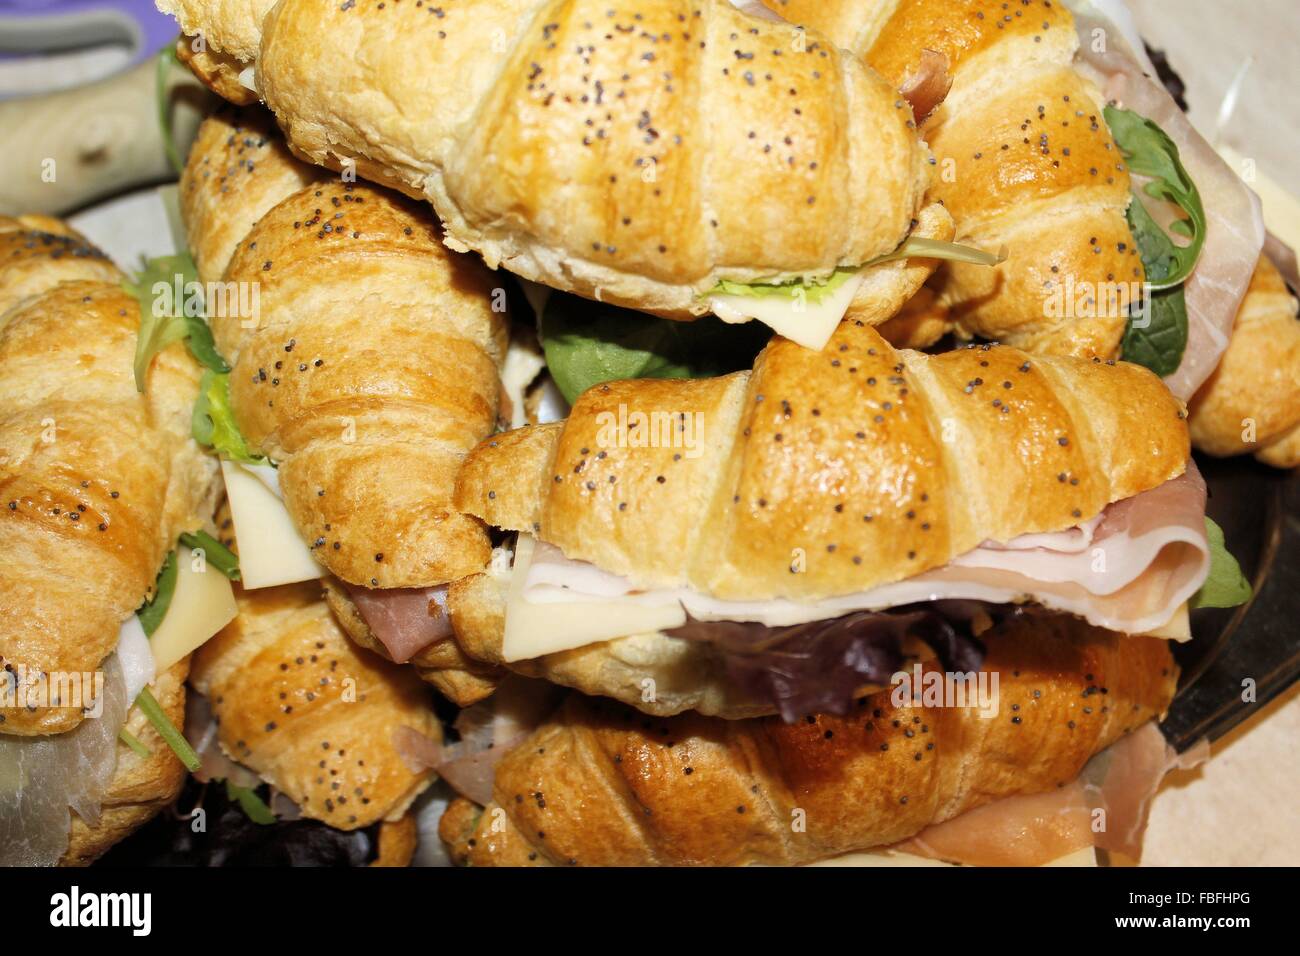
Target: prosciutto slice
pixel 1235 219
pixel 1106 806
pixel 488 731
pixel 1128 570
pixel 404 620
pixel 42 777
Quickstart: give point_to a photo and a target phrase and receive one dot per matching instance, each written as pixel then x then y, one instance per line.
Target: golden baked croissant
pixel 1025 160
pixel 638 155
pixel 373 367
pixel 312 714
pixel 602 785
pixel 97 479
pixel 141 785
pixel 881 463
pixel 1251 404
pixel 238 170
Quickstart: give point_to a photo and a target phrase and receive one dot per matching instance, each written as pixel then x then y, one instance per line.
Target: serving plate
pixel 1240 658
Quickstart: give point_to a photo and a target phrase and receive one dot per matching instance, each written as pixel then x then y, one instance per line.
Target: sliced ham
pixel 1106 807
pixel 928 86
pixel 488 730
pixel 1129 570
pixel 404 620
pixel 1235 231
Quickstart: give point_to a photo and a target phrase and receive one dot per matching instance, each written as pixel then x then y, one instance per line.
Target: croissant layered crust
pixel 372 366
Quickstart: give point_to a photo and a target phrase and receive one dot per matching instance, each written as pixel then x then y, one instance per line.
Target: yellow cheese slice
pixel 534 630
pixel 270 550
pixel 800 321
pixel 202 604
pixel 1177 628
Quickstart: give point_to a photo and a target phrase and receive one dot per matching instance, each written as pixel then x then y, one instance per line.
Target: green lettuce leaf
pixel 163 323
pixel 815 290
pixel 587 343
pixel 1226 586
pixel 213 421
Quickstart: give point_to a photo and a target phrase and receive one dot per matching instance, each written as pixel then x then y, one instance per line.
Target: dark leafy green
pixel 1156 335
pixel 214 552
pixel 587 343
pixel 213 420
pixel 153 611
pixel 1226 586
pixel 163 322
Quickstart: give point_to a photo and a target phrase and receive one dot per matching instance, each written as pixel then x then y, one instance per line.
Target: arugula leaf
pixel 1159 345
pixel 814 290
pixel 918 247
pixel 174 739
pixel 131 741
pixel 1150 152
pixel 254 807
pixel 587 343
pixel 1226 586
pixel 160 326
pixel 214 552
pixel 153 611
pixel 213 421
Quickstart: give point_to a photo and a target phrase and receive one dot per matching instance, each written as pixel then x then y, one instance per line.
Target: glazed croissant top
pixel 372 365
pixel 1025 160
pixel 97 480
pixel 881 463
pixel 636 153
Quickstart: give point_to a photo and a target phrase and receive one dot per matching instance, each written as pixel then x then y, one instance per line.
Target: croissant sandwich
pixel 370 369
pixel 597 784
pixel 673 157
pixel 1054 146
pixel 99 481
pixel 782 538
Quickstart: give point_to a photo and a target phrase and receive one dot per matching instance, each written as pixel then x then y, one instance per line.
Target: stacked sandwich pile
pixel 771 424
